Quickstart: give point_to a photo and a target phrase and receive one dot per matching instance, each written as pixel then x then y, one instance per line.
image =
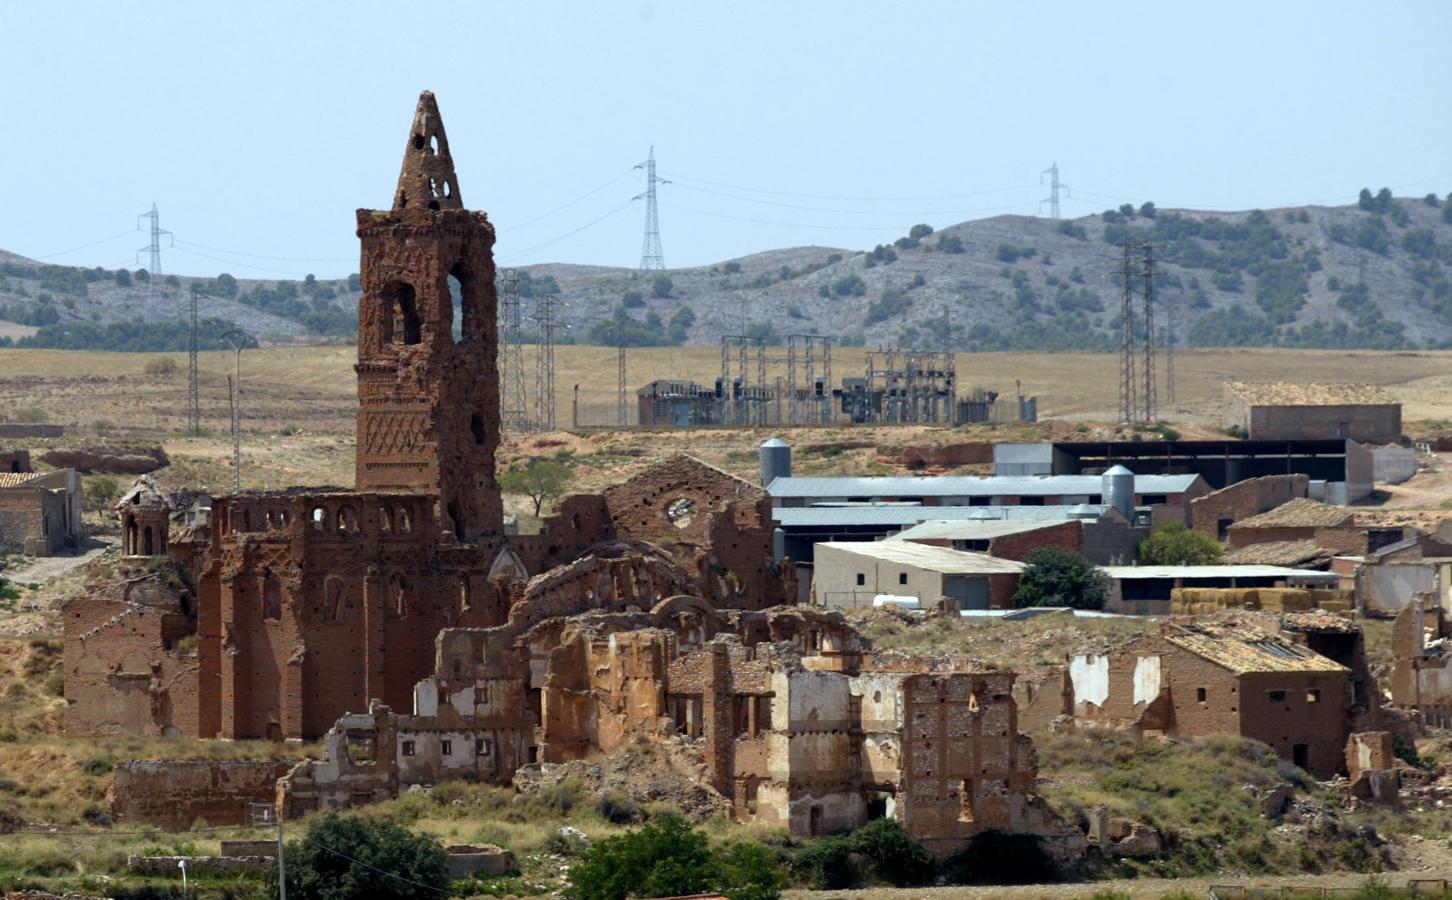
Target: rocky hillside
pixel 1372 274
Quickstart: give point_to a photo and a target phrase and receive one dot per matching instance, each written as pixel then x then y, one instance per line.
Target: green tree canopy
pixel 1173 544
pixel 540 480
pixel 344 858
pixel 668 858
pixel 1056 576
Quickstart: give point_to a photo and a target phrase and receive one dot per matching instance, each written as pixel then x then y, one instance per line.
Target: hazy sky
pixel 260 127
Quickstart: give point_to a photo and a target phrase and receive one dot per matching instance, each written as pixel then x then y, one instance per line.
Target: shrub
pixel 347 858
pixel 732 268
pixel 827 864
pixel 1069 228
pixel 1056 576
pixel 918 232
pixel 668 858
pixel 102 489
pixel 997 857
pixel 950 243
pixel 661 287
pixel 632 300
pixel 891 303
pixel 617 808
pixel 852 285
pixel 98 765
pixel 892 855
pixel 1174 544
pixel 161 365
pixel 32 415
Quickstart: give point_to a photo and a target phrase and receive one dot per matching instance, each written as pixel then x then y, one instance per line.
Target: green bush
pixel 827 864
pixel 102 489
pixel 852 285
pixel 892 855
pixel 353 859
pixel 161 365
pixel 1057 576
pixel 667 858
pixel 1174 544
pixel 661 287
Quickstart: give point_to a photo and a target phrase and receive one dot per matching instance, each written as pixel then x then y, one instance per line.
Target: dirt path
pixel 1139 889
pixel 44 568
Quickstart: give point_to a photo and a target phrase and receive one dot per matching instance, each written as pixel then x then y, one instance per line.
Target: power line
pixel 651 256
pixel 566 206
pixel 840 211
pixel 264 256
pixel 86 246
pixel 848 198
pixel 555 240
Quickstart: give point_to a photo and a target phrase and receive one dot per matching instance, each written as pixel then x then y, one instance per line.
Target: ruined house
pixel 1287 411
pixel 797 726
pixel 1421 678
pixel 1225 677
pixel 40 512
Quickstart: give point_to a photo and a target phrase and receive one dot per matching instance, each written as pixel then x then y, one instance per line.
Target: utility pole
pixel 544 368
pixel 651 256
pixel 263 815
pixel 1127 404
pixel 622 411
pixel 1171 339
pixel 238 340
pixel 194 399
pixel 1054 186
pixel 1151 402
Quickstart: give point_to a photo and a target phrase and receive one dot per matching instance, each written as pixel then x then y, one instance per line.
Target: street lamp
pixel 238 340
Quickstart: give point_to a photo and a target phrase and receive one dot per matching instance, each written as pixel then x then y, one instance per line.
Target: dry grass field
pixel 298 404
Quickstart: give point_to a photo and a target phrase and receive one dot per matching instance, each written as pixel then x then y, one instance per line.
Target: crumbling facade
pixel 798 726
pixel 40 512
pixel 1227 677
pixel 1421 677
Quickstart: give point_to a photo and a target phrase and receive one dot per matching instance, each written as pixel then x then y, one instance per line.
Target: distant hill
pixel 1370 275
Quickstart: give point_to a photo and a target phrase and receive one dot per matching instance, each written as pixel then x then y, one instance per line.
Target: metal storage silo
pixel 776 460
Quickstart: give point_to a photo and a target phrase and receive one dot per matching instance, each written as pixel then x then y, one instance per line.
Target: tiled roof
pixel 902 515
pixel 1246 650
pixel 16 479
pixel 1278 553
pixel 1302 512
pixel 1287 393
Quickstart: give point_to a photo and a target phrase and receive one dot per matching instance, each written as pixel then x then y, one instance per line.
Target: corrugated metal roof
pixel 1287 393
pixel 968 530
pixel 1193 572
pixel 901 516
pixel 969 485
pixel 16 479
pixel 924 556
pixel 1245 650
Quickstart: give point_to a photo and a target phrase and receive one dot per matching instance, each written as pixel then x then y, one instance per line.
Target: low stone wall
pixel 168 865
pixel 174 793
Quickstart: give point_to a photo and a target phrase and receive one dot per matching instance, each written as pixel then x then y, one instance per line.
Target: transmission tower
pixel 1055 185
pixel 194 396
pixel 511 362
pixel 544 368
pixel 623 410
pixel 651 256
pixel 1171 338
pixel 156 232
pixel 1127 388
pixel 1149 401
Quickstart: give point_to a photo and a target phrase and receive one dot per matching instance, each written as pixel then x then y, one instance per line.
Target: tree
pixel 667 858
pixel 662 286
pixel 1147 209
pixel 918 232
pixel 632 299
pixel 1173 544
pixel 102 490
pixel 540 480
pixel 1056 576
pixel 226 285
pixel 347 858
pixel 123 278
pixel 1365 200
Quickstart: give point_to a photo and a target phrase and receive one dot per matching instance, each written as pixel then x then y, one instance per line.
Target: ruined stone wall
pixel 15 460
pixel 32 520
pixel 1290 709
pixel 1238 537
pixel 125 671
pixel 176 793
pixel 1243 500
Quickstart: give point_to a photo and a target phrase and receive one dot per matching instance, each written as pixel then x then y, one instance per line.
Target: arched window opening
pixel 466 594
pixel 466 300
pixel 347 521
pixel 320 518
pixel 333 600
pixel 148 549
pixel 476 425
pixel 385 523
pixel 401 322
pixel 457 519
pixel 403 522
pixel 397 596
pixel 271 597
pixel 456 303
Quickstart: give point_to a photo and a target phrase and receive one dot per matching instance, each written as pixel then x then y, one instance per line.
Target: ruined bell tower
pixel 428 400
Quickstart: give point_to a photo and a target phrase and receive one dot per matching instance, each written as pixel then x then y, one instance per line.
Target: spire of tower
pixel 427 180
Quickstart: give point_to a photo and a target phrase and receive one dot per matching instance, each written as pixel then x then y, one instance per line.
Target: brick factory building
pixel 1286 411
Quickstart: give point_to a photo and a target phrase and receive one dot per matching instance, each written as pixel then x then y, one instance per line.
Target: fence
pixel 1417 887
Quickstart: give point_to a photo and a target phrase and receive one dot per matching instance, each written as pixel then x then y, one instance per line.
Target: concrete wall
pixel 1393 465
pixel 1387 588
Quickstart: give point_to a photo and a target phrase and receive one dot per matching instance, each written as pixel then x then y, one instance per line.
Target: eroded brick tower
pixel 428 401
